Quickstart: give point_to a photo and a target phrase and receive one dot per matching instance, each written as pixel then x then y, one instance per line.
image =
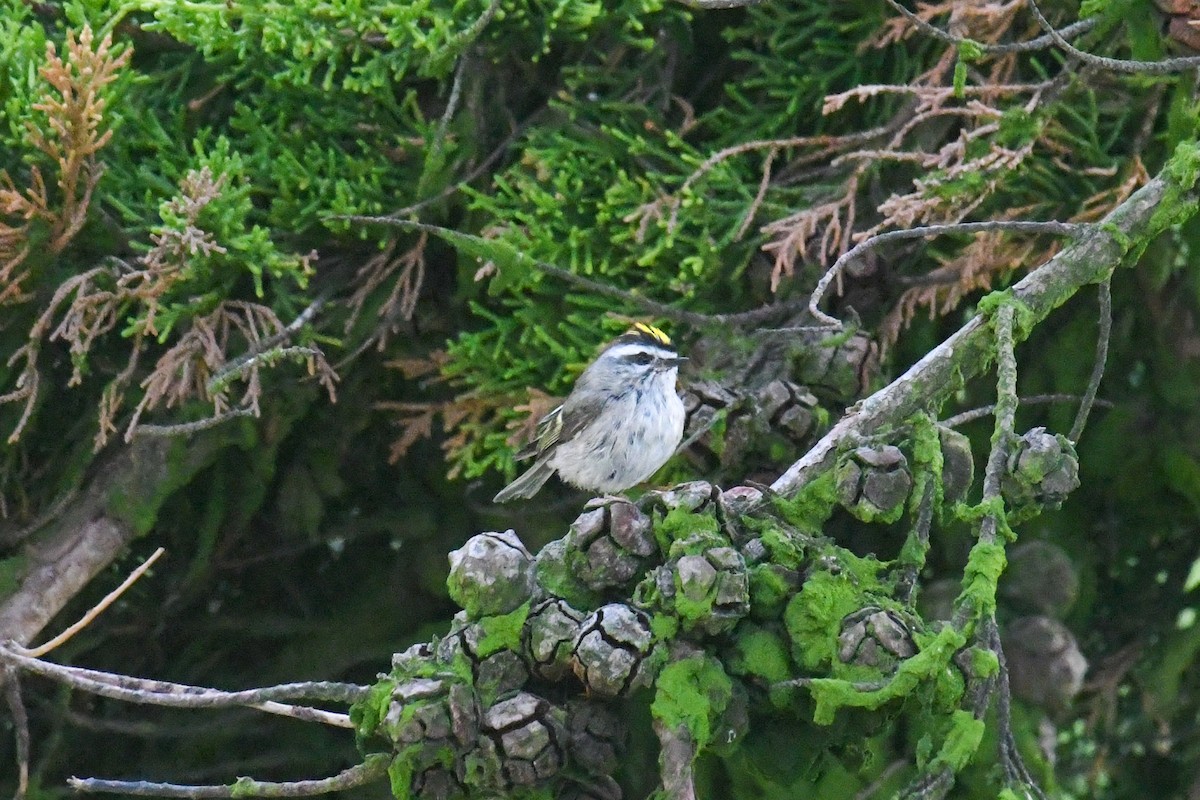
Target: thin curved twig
pixel 373 768
pixel 1040 43
pixel 187 428
pixel 973 414
pixel 178 695
pixel 93 612
pixel 1164 67
pixel 1089 396
pixel 1021 226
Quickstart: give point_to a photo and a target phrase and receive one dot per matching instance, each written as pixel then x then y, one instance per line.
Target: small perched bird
pixel 621 422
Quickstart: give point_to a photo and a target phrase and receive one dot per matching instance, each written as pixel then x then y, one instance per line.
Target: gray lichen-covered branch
pixel 1168 199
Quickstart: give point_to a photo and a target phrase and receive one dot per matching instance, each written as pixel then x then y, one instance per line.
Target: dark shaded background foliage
pixel 313 545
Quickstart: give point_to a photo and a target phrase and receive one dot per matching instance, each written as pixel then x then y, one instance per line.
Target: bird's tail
pixel 528 484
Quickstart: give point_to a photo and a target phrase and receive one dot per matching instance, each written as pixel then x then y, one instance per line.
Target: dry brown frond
pixel 401 302
pixel 537 406
pixel 1098 205
pixel 26 386
pixel 415 421
pixel 977 268
pixel 173 246
pixel 797 235
pixel 72 135
pixel 460 416
pixel 198 367
pixel 430 365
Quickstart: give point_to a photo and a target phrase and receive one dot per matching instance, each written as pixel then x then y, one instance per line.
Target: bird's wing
pixel 560 425
pixel 549 428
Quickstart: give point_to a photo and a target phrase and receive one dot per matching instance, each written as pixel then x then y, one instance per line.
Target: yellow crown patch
pixel 657 334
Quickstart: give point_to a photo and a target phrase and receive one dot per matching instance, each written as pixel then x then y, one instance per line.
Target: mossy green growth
pixel 1179 201
pixel 400 774
pixel 945 691
pixel 925 445
pixel 1024 317
pixel 984 662
pixel 664 627
pixel 812 505
pixel 408 760
pixel 961 742
pixel 368 713
pixel 1184 165
pixel 981 575
pixel 692 692
pixel 786 549
pixel 814 616
pixel 679 524
pixel 768 590
pixel 761 653
pixel 927 665
pixel 555 574
pixel 502 631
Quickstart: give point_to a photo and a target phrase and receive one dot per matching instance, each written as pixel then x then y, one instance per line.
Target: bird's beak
pixel 668 363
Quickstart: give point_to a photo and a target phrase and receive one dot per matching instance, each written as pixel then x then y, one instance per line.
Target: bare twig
pixel 906 583
pixel 1164 67
pixel 475 28
pixel 763 185
pixel 177 695
pixel 217 382
pixel 20 720
pixel 373 768
pixel 1093 386
pixel 1040 43
pixel 93 612
pixel 1035 400
pixel 1010 756
pixel 303 318
pixel 188 428
pixel 1021 226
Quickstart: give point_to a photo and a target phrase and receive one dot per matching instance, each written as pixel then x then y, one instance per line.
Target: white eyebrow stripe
pixel 633 348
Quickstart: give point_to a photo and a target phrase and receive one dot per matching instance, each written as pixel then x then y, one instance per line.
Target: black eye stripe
pixel 638 358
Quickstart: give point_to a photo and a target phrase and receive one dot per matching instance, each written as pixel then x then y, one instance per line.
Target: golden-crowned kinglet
pixel 621 422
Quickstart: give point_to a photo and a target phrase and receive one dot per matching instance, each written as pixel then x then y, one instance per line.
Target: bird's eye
pixel 641 358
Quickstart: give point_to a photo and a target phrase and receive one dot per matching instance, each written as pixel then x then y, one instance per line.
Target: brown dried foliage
pixel 71 137
pixel 416 419
pixel 198 367
pixel 817 235
pixel 460 416
pixel 405 271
